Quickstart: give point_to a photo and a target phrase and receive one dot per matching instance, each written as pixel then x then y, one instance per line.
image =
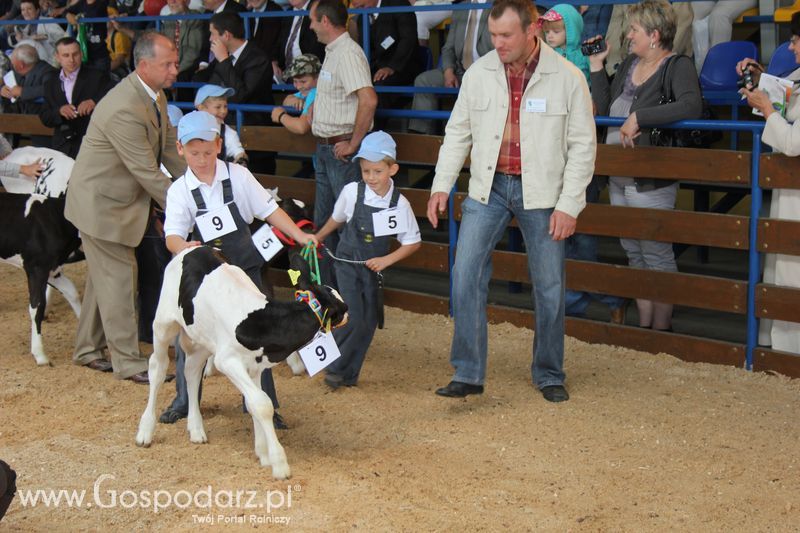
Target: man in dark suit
pixel 30 75
pixel 394 48
pixel 296 38
pixel 457 55
pixel 70 97
pixel 217 6
pixel 245 68
pixel 223 6
pixel 265 31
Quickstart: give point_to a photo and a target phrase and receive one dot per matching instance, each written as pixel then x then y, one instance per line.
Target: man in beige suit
pixel 114 179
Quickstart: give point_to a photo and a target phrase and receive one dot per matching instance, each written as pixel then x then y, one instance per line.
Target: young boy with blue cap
pixel 370 211
pixel 214 99
pixel 230 193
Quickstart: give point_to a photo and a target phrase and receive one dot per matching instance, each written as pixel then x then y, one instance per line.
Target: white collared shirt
pixel 150 92
pixel 345 206
pixel 236 53
pixel 221 7
pixel 296 51
pixel 252 200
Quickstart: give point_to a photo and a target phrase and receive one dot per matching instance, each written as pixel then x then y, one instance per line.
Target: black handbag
pixel 682 138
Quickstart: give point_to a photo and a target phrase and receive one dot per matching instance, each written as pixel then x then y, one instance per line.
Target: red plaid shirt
pixel 510 159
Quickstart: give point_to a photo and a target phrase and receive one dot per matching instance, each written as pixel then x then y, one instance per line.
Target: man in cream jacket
pixel 524 116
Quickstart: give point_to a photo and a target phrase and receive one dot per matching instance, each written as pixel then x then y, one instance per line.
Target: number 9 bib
pixel 216 223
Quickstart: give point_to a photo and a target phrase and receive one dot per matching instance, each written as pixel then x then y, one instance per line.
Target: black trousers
pixel 8 487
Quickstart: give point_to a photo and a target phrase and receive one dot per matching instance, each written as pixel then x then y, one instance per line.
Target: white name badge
pixel 216 223
pixel 325 75
pixel 266 242
pixel 535 105
pixel 319 353
pixel 389 41
pixel 390 221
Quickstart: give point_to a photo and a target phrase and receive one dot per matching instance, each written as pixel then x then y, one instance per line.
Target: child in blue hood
pixel 563 26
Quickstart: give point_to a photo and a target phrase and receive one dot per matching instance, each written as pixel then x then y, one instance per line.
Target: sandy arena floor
pixel 646 443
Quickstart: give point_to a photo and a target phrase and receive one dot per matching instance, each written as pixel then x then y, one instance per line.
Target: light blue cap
pixel 376 146
pixel 212 91
pixel 174 113
pixel 198 125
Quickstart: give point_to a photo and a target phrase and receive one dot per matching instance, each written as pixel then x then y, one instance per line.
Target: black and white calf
pixel 35 236
pixel 218 310
pixel 33 231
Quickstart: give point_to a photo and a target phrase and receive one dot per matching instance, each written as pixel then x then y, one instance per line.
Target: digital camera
pixel 590 49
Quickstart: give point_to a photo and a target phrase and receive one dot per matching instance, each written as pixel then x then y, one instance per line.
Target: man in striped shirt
pixel 343 109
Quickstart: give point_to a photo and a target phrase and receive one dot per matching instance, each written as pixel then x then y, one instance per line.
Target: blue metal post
pixel 239 121
pixel 365 34
pixel 452 232
pixel 754 257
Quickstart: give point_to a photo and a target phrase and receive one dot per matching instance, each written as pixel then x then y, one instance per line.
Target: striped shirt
pixel 344 71
pixel 510 159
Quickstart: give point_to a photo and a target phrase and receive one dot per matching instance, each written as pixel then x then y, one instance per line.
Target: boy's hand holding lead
pixel 377 264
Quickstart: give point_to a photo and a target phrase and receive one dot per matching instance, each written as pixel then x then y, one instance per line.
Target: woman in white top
pixel 42 36
pixel 783 135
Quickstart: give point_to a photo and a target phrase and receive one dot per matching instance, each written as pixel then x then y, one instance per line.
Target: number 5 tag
pixel 216 223
pixel 389 221
pixel 266 242
pixel 319 353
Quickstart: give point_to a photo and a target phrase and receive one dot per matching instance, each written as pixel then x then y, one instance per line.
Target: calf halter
pixel 288 241
pixel 310 299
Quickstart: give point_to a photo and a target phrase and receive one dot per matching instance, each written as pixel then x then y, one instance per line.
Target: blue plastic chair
pixel 782 63
pixel 719 70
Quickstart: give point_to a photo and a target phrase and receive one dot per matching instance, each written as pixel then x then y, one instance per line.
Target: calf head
pixel 332 304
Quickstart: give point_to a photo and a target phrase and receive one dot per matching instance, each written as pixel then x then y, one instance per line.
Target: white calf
pixel 218 310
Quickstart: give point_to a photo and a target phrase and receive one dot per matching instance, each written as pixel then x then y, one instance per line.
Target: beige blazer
pixel 116 172
pixel 557 131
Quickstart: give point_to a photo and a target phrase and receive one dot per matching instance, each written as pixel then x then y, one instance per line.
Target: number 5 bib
pixel 389 222
pixel 215 224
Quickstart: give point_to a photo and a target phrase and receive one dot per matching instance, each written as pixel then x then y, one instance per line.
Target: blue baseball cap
pixel 198 125
pixel 212 91
pixel 376 146
pixel 174 113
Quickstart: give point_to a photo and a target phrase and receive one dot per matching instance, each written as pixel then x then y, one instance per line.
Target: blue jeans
pixel 584 248
pixel 482 226
pixel 596 20
pixel 331 176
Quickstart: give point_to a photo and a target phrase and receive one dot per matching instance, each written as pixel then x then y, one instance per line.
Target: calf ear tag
pixel 294 275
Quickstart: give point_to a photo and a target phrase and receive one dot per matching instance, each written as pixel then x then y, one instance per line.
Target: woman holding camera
pixel 635 93
pixel 783 135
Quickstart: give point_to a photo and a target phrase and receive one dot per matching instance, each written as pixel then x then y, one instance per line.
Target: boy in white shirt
pixel 229 192
pixel 214 99
pixel 365 208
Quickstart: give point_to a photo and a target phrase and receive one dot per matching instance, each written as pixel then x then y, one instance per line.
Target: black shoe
pixel 170 416
pixel 456 389
pixel 277 421
pixel 334 381
pixel 101 365
pixel 555 393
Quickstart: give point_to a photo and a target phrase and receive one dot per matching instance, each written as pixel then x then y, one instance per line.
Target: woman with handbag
pixel 783 135
pixel 637 92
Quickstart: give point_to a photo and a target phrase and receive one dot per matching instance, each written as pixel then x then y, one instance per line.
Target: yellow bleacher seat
pixel 749 13
pixel 784 14
pixel 443 25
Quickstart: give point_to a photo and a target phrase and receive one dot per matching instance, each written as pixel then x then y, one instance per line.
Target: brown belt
pixel 335 139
